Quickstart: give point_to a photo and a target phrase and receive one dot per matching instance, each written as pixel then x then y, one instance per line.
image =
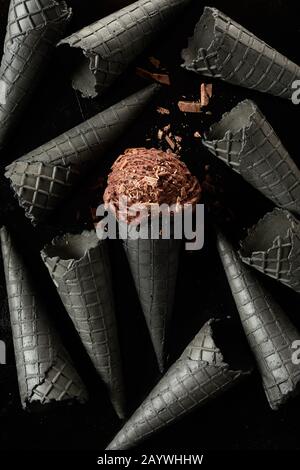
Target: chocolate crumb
pixel 189 106
pixel 162 110
pixel 162 78
pixel 205 93
pixel 170 142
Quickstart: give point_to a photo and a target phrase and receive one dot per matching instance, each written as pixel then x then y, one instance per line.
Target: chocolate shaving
pixel 170 142
pixel 205 93
pixel 155 62
pixel 160 134
pixel 189 106
pixel 162 110
pixel 162 78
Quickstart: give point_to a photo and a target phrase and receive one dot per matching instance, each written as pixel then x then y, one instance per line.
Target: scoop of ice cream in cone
pixel 143 184
pixel 150 177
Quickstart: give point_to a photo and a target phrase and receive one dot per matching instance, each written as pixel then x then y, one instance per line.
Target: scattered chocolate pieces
pixel 155 62
pixel 205 93
pixel 170 142
pixel 190 106
pixel 162 110
pixel 160 134
pixel 162 78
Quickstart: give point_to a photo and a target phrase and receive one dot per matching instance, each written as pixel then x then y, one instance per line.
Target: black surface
pixel 241 419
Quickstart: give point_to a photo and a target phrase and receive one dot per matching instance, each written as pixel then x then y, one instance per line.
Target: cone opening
pixel 203 37
pixel 83 79
pixel 238 118
pixel 72 247
pixel 262 236
pixel 232 344
pixel 80 61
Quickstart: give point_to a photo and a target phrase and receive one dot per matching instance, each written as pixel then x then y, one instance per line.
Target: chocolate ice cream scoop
pixel 151 176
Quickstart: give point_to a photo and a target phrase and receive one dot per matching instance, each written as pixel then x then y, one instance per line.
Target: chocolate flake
pixel 189 106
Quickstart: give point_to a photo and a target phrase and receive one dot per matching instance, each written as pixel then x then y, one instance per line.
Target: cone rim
pixel 267 222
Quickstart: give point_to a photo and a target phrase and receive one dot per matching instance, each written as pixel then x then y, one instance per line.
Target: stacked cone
pixel 270 333
pixel 222 48
pixel 148 179
pixel 45 371
pixel 108 46
pixel 273 248
pixel 33 29
pixel 47 175
pixel 80 268
pixel 247 143
pixel 196 378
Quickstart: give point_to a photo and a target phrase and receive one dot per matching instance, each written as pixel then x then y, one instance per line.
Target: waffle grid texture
pixel 269 332
pixel 254 151
pixel 280 257
pixel 45 371
pixel 197 377
pixel 112 43
pixel 44 177
pixel 34 27
pixel 154 266
pixel 237 56
pixel 84 285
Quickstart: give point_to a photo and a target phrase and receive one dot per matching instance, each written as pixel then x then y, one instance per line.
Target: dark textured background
pixel 241 419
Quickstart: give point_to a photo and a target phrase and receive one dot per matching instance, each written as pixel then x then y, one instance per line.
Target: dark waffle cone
pixel 222 48
pixel 268 330
pixel 246 142
pixel 273 248
pixel 44 177
pixel 154 266
pixel 108 46
pixel 80 268
pixel 34 27
pixel 45 371
pixel 196 378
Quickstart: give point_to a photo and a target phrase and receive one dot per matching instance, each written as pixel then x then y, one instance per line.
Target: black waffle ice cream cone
pixel 154 266
pixel 222 48
pixel 196 378
pixel 145 189
pixel 33 29
pixel 269 332
pixel 273 248
pixel 247 143
pixel 80 268
pixel 47 175
pixel 108 46
pixel 45 371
